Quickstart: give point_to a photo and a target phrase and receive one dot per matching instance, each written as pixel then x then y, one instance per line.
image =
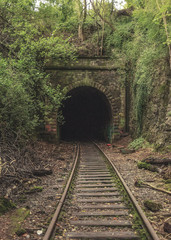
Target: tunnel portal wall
pixel 98 73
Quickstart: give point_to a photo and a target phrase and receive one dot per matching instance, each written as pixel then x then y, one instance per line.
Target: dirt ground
pixel 41 204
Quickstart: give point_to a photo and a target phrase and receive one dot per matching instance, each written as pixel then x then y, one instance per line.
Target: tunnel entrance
pixel 87 114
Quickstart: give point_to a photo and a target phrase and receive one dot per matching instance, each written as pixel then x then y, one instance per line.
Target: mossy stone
pixel 147 166
pixel 138 183
pixel 152 206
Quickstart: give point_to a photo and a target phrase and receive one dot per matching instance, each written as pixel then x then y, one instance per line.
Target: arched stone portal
pixel 88 114
pixel 94 78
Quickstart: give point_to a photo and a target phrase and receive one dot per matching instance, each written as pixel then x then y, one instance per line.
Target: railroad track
pixel 97 204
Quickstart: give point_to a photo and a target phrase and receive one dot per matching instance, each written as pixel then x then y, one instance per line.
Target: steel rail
pixel 52 224
pixel 144 219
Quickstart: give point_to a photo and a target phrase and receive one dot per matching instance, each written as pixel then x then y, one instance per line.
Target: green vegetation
pixel 35 189
pixel 152 206
pixel 168 181
pixel 28 39
pixel 147 166
pixel 22 198
pixel 138 183
pixel 20 231
pixel 169 148
pixel 167 184
pixel 141 41
pixel 5 205
pixel 18 216
pixel 137 143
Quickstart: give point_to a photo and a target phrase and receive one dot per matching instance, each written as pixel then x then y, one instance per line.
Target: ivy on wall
pixel 140 41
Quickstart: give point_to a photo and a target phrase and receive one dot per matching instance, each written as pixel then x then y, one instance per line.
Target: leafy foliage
pixel 17 111
pixel 139 41
pixel 26 45
pixel 137 143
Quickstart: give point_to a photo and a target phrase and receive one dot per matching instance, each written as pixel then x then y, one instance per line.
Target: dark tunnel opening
pixel 87 114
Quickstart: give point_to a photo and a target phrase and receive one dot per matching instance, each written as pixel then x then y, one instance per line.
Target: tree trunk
pixel 42 172
pixel 153 160
pixel 166 30
pixel 80 32
pixel 83 15
pixel 96 10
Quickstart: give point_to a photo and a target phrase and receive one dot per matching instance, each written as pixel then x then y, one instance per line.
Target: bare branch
pixel 96 10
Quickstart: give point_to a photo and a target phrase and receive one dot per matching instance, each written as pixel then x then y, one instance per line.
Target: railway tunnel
pixel 87 114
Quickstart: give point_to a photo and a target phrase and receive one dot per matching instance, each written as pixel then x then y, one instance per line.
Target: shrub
pixel 137 143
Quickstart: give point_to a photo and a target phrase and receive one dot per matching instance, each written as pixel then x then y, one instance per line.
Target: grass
pixel 35 189
pixel 17 218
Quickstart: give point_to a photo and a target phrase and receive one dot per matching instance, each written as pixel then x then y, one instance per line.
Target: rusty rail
pixel 144 219
pixel 51 227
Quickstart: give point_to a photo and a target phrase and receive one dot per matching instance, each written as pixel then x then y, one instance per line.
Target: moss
pixel 168 148
pixel 138 183
pixel 169 114
pixel 22 199
pixel 147 166
pixel 163 88
pixel 18 216
pixel 162 149
pixel 167 181
pixel 35 189
pixel 152 206
pixel 168 184
pixel 5 205
pixel 20 231
pixel 122 122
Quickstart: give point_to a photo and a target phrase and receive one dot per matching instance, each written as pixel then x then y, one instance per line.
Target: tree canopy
pixel 27 41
